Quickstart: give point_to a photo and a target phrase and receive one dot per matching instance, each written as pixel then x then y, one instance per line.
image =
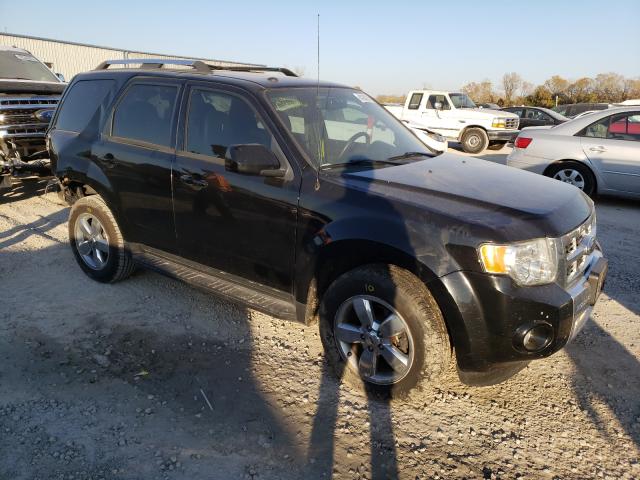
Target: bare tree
pixel 480 92
pixel 526 88
pixel 511 83
pixel 609 87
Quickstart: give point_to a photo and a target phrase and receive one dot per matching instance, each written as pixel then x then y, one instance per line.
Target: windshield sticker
pixel 362 97
pixel 26 58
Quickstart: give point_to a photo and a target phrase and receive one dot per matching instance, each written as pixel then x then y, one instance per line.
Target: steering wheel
pixel 352 140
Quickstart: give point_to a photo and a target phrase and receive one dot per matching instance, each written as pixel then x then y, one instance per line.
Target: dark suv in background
pixel 270 190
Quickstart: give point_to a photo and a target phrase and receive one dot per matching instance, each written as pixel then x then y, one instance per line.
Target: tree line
pixel 514 90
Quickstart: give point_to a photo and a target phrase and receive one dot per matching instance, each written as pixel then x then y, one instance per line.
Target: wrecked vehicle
pixel 309 201
pixel 29 95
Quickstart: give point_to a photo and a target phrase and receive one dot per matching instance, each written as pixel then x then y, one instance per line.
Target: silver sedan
pixel 598 153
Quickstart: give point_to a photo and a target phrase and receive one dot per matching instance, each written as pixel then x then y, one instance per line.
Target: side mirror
pixel 438 105
pixel 60 77
pixel 252 159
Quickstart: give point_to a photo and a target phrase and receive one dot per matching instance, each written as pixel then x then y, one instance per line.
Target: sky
pixel 385 47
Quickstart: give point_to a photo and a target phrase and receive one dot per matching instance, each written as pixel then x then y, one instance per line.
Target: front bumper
pixel 502 135
pixel 492 312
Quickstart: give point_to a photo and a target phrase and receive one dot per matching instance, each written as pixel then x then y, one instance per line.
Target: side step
pixel 251 294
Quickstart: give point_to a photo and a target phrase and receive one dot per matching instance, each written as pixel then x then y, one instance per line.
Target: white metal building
pixel 69 58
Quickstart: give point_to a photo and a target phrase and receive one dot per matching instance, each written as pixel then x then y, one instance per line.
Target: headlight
pixel 528 263
pixel 500 122
pixel 435 136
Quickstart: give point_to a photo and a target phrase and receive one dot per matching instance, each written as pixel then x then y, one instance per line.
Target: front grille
pixel 512 123
pixel 18 118
pixel 578 249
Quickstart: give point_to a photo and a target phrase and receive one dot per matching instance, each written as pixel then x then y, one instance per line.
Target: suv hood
pixel 10 86
pixel 511 204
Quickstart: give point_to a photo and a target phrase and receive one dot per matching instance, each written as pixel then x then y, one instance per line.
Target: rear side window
pixel 145 114
pixel 517 111
pixel 416 100
pixel 85 105
pixel 616 127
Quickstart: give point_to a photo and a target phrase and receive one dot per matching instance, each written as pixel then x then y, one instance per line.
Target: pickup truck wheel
pixel 474 140
pixel 574 173
pixel 96 241
pixel 496 145
pixel 382 330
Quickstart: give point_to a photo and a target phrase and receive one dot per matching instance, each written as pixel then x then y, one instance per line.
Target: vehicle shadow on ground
pixel 326 455
pixel 24 189
pixel 19 233
pixel 189 395
pixel 498 156
pixel 618 226
pixel 606 373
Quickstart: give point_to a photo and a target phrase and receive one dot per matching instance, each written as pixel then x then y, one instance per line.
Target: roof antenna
pixel 320 142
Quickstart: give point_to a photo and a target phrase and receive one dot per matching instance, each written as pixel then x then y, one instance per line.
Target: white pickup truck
pixel 455 116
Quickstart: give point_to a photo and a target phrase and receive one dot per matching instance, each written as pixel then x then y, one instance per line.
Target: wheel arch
pixel 596 177
pixel 342 256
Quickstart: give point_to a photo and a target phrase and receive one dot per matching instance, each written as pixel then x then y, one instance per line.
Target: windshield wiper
pixel 359 161
pixel 409 155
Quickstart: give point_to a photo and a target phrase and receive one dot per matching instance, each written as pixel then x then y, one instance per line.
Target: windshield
pixel 460 100
pixel 337 126
pixel 22 66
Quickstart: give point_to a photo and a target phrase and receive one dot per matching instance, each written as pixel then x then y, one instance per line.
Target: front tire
pixel 96 241
pixel 383 331
pixel 474 140
pixel 574 173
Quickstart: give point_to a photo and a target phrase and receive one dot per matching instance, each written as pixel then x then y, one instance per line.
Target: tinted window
pixel 217 120
pixel 538 115
pixel 431 103
pixel 517 111
pixel 85 104
pixel 145 114
pixel 415 101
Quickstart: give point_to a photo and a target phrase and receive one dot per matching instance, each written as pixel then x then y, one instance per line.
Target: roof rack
pixel 198 65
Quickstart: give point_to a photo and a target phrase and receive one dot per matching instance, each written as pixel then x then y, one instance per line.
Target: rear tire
pixel 574 173
pixel 96 241
pixel 474 140
pixel 496 145
pixel 423 341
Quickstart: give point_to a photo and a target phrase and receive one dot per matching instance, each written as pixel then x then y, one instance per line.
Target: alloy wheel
pixel 571 176
pixel 92 241
pixel 374 339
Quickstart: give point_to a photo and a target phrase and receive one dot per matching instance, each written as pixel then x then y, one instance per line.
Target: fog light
pixel 537 337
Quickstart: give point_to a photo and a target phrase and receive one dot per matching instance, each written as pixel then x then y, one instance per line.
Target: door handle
pixel 598 149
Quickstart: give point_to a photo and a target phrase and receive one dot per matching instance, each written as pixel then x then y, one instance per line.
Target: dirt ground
pixel 151 379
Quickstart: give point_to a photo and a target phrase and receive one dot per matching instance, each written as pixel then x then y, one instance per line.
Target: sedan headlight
pixel 534 262
pixel 500 122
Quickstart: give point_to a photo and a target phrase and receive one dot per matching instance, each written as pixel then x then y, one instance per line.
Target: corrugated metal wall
pixel 70 58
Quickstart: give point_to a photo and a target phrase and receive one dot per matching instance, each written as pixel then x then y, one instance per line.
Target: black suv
pixel 308 200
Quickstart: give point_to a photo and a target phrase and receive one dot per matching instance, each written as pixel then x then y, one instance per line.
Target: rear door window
pixel 517 111
pixel 85 104
pixel 416 100
pixel 145 114
pixel 625 127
